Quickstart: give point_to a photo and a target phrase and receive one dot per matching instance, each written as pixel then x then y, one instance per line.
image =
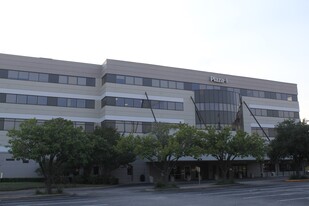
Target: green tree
pixel 110 150
pixel 166 145
pixel 50 144
pixel 292 141
pixel 225 146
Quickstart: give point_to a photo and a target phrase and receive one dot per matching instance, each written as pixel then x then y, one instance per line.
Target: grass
pixel 12 186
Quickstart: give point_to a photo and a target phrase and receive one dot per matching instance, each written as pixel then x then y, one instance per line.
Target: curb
pixel 299 180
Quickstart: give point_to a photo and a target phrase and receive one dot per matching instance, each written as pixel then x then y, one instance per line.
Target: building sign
pixel 218 80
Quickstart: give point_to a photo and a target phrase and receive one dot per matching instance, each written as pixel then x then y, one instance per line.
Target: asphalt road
pixel 255 193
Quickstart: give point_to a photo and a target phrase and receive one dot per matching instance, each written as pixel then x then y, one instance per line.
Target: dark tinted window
pixel 90 104
pixel 3 73
pixel 90 81
pixel 52 101
pixel 53 78
pixel 2 98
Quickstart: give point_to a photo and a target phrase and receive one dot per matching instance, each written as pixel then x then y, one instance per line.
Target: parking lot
pixel 251 193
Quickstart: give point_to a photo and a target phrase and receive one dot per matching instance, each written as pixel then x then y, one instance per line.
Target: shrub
pixel 225 182
pixel 298 177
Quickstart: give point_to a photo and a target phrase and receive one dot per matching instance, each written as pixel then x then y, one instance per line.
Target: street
pixel 251 193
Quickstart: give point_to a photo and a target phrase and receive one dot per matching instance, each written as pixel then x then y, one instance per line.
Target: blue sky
pixel 265 39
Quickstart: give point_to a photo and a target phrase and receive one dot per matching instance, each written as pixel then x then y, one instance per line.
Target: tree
pixel 225 146
pixel 110 150
pixel 51 144
pixel 292 141
pixel 166 145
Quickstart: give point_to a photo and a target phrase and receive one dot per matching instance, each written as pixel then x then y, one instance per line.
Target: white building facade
pixel 117 94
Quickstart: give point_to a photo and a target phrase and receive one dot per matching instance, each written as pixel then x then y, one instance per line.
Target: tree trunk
pixel 48 185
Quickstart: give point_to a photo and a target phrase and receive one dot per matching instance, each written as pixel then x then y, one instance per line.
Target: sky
pixel 267 39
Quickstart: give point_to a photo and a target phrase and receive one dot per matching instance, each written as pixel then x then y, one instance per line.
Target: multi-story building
pixel 119 94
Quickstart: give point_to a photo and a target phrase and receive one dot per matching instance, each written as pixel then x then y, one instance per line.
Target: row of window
pixel 271 132
pixel 216 107
pixel 142 81
pixel 45 77
pixel 141 103
pixel 215 117
pixel 275 113
pixel 129 126
pixel 48 101
pixel 10 123
pixel 213 96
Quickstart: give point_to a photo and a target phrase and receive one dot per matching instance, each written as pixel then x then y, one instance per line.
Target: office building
pixel 130 97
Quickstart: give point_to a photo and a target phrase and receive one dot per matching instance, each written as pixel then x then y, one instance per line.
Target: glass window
pixel 137 103
pixel 179 106
pixel 255 93
pixel 43 77
pixel 72 103
pixel 138 127
pixel 171 105
pixel 155 104
pixel 120 79
pixel 164 84
pixel 4 73
pixel 278 96
pixel 73 80
pixel 11 98
pixel 81 81
pixel 42 100
pixel 90 81
pixel 172 84
pixel 273 95
pixel 17 123
pixel 120 126
pixel 90 104
pixel 63 79
pixel 128 102
pixel 33 76
pixel 180 85
pixel 128 127
pixel 32 100
pixel 89 126
pixel 261 94
pixel 163 105
pixel 81 103
pixel 23 75
pixel 120 101
pixel 156 83
pixel 61 102
pixel 21 99
pixel 129 80
pixel 249 93
pixel 13 74
pixel 8 124
pixel 138 81
pixel 145 103
pixel 195 86
pixel 289 97
pixel 147 82
pixel 264 112
pixel 258 112
pixel 80 125
pixel 281 114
